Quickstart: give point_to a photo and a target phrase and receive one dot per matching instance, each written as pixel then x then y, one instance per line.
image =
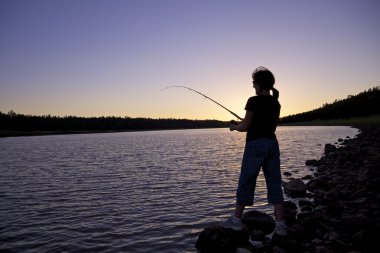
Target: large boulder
pixel 219 239
pixel 329 148
pixel 256 220
pixel 290 212
pixel 295 188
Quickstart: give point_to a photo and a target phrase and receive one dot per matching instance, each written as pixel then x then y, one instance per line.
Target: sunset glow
pixel 113 58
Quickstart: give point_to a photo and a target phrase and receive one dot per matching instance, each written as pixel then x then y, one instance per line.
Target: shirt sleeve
pixel 251 104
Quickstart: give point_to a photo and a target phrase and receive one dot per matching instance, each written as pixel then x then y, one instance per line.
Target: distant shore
pixel 13 124
pixel 45 133
pixel 373 120
pixel 355 122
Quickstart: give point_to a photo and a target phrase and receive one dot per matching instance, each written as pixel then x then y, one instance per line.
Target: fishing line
pixel 179 86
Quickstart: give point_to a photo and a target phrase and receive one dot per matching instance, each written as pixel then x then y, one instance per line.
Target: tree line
pixel 12 121
pixel 364 104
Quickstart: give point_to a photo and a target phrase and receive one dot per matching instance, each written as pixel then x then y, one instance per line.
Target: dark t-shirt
pixel 266 112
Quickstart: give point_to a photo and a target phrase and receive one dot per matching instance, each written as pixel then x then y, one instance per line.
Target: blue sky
pixel 113 58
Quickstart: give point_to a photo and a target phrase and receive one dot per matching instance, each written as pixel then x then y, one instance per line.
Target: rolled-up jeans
pixel 260 153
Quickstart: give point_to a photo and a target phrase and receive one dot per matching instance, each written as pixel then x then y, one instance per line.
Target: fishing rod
pixel 179 86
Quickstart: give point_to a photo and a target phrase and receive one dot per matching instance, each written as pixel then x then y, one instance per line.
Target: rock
pixel 345 197
pixel 295 188
pixel 312 162
pixel 332 194
pixel 220 239
pixel 307 208
pixel 335 210
pixel 285 244
pixel 257 235
pixel 307 177
pixel 363 173
pixel 311 185
pixel 290 212
pixel 353 223
pixel 298 232
pixel 343 214
pixel 304 202
pixel 304 216
pixel 243 250
pixel 329 148
pixel 256 220
pixel 366 240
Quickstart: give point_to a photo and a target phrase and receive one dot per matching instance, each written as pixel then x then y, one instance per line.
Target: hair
pixel 265 79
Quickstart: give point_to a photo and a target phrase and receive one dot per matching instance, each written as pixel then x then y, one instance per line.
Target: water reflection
pixel 132 192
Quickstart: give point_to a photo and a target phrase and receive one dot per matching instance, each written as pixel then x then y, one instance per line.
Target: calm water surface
pixel 132 192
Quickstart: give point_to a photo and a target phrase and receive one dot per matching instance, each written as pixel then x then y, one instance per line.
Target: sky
pixel 115 57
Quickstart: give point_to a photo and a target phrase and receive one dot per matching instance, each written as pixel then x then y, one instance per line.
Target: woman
pixel 261 150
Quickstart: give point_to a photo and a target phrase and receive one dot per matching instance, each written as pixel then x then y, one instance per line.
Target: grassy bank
pixel 373 120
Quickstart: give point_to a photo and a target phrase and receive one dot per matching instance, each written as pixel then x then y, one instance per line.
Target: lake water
pixel 132 192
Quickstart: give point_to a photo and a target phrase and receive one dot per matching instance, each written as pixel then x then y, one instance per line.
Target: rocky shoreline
pixel 337 210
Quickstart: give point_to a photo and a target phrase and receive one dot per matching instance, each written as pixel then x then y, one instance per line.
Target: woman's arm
pixel 244 124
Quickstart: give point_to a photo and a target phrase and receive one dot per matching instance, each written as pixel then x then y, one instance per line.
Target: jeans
pixel 260 153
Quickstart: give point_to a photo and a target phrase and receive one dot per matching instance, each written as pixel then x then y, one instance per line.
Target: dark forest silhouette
pixel 26 123
pixel 364 104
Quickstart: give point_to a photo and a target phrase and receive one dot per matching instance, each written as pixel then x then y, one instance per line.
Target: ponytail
pixel 275 93
pixel 266 80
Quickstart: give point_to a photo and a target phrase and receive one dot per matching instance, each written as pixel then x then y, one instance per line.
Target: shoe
pixel 254 244
pixel 281 228
pixel 233 223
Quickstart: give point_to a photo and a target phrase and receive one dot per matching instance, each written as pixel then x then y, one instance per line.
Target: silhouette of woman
pixel 261 150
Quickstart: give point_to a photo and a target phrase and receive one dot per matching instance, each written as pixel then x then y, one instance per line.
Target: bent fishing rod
pixel 179 86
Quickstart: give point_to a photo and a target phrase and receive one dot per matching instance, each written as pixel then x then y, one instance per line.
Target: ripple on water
pixel 131 192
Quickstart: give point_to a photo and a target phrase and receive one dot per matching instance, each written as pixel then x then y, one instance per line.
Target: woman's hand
pixel 244 124
pixel 233 125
